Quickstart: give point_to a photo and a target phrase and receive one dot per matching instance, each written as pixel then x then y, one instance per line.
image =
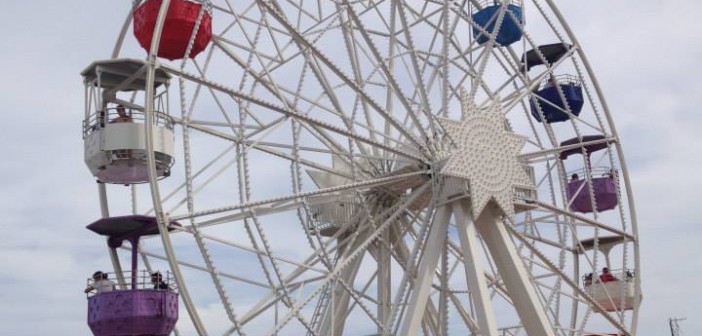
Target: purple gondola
pixel 604 186
pixel 134 308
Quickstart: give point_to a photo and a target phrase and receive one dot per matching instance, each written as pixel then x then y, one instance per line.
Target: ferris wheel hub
pixel 485 155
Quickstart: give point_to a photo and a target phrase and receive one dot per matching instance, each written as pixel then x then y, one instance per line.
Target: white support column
pixel 442 317
pixel 425 273
pixel 574 308
pixel 334 317
pixel 513 273
pixel 384 280
pixel 475 275
pixel 403 254
pixel 430 321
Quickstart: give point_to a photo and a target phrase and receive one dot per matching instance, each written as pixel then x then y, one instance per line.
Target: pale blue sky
pixel 646 55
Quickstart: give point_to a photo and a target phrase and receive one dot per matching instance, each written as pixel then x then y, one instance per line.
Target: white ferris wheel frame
pixel 485 322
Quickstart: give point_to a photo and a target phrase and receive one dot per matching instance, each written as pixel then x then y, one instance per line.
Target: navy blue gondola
pixel 510 30
pixel 553 106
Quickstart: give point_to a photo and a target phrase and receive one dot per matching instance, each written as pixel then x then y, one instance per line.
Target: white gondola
pixel 614 295
pixel 613 290
pixel 114 129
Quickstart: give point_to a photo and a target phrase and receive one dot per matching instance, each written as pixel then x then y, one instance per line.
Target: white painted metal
pixel 384 279
pixel 517 281
pixel 117 152
pixel 335 316
pixel 352 92
pixel 475 276
pixel 425 273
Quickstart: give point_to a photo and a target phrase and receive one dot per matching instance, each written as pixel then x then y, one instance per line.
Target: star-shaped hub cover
pixel 485 154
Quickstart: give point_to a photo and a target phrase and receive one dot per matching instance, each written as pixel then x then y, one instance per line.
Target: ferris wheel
pixel 359 168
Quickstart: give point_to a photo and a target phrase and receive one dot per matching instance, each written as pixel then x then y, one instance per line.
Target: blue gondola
pixel 553 106
pixel 509 31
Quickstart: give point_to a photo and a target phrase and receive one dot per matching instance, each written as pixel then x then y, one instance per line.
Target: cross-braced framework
pixel 311 139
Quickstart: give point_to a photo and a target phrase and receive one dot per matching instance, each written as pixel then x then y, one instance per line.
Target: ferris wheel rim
pixel 611 125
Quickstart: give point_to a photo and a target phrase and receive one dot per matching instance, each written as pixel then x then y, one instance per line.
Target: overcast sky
pixel 645 53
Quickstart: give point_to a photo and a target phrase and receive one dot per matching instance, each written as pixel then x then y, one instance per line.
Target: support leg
pixel 475 276
pixel 510 266
pixel 384 280
pixel 422 286
pixel 334 317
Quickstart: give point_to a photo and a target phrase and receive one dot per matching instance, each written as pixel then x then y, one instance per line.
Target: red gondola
pixel 181 22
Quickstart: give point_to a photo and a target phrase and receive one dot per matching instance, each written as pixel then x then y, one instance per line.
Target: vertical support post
pixel 87 103
pixel 105 211
pixel 606 254
pixel 135 261
pixel 574 308
pixel 442 317
pixel 513 273
pixel 475 275
pixel 422 286
pixel 384 280
pixel 335 316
